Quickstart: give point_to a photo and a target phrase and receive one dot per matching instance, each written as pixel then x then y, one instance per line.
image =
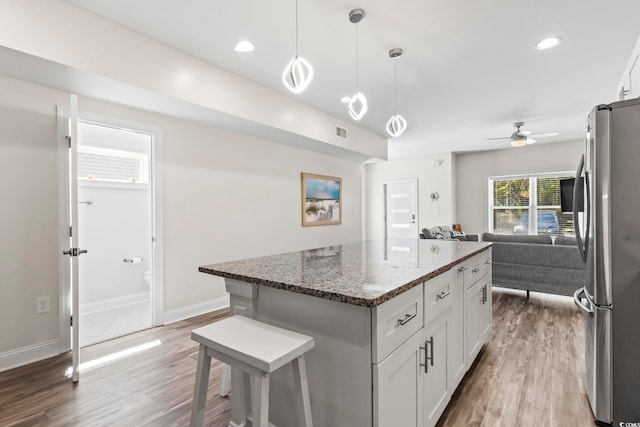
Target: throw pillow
pixel 459 235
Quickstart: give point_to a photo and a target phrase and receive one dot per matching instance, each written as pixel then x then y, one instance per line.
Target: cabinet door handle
pixel 475 270
pixel 428 346
pixel 461 269
pixel 407 318
pixel 442 295
pixel 484 294
pixel 487 262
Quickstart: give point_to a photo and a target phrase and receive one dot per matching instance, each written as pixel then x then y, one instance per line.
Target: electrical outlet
pixel 42 305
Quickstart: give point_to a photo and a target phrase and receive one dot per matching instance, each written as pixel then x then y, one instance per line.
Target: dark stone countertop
pixel 364 273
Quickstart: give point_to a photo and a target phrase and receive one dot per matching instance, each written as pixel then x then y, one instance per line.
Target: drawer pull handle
pixel 475 270
pixel 407 318
pixel 442 295
pixel 461 269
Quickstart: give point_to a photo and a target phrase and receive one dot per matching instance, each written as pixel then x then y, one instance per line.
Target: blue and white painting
pixel 322 199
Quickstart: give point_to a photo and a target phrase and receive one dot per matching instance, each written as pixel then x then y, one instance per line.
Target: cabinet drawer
pixel 394 321
pixel 438 295
pixel 477 267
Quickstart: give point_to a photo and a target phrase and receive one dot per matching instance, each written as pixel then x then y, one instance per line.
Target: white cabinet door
pixel 397 386
pixel 485 315
pixel 434 370
pixel 634 78
pixel 473 302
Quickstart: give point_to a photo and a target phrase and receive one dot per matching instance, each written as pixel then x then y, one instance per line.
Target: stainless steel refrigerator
pixel 609 243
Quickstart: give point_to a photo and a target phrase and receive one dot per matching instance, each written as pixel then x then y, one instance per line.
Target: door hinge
pixel 70 231
pixel 71 320
pixel 68 140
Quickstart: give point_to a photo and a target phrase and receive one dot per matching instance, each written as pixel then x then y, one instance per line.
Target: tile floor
pixel 108 324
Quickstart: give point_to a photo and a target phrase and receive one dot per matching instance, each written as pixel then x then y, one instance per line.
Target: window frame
pixel 533 206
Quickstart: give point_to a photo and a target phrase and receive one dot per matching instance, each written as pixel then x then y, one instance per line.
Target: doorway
pixel 115 225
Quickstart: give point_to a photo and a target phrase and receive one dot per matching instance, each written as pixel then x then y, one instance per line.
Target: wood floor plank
pixel 530 373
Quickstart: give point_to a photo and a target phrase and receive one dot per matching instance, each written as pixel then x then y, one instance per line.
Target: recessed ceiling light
pixel 345 99
pixel 244 46
pixel 549 42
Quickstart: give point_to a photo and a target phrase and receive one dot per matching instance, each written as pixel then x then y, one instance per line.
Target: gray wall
pixel 472 171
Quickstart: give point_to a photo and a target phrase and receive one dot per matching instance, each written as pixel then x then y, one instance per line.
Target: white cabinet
pixel 435 379
pixel 629 85
pixel 478 316
pixel 397 378
pixel 425 339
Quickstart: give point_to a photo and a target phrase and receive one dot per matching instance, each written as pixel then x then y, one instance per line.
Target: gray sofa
pixel 536 263
pixel 444 232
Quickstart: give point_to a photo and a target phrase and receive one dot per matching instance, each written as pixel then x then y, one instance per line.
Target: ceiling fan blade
pixel 545 135
pixel 530 140
pixel 524 132
pixel 495 139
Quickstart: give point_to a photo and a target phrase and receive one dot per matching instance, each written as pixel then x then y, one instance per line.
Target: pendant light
pixel 396 124
pixel 358 102
pixel 298 73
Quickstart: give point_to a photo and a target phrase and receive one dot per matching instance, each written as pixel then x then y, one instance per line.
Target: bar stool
pixel 254 349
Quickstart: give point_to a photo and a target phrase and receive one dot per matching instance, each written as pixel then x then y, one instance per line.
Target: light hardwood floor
pixel 529 374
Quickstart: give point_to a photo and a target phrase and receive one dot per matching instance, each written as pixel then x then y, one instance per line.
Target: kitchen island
pixel 396 324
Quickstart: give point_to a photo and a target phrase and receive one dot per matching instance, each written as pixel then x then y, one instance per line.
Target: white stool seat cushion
pixel 257 344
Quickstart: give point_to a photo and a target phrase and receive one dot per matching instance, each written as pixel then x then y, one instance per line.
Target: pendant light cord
pixel 357 61
pixel 395 85
pixel 296 28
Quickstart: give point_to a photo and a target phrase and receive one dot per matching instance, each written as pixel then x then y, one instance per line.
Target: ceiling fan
pixel 522 137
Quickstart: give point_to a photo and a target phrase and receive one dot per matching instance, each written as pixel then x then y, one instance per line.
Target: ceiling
pixel 469 70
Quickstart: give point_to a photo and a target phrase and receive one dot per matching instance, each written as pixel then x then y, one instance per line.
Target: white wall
pixel 434 173
pixel 28 213
pixel 226 196
pixel 472 171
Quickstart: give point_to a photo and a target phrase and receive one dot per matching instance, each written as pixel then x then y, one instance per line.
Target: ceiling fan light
pixel 297 75
pixel 519 142
pixel 358 106
pixel 396 125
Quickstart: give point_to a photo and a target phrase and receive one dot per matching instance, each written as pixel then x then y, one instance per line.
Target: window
pixel 528 205
pixel 104 164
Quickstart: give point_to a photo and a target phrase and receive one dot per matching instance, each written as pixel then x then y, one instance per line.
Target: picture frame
pixel 321 200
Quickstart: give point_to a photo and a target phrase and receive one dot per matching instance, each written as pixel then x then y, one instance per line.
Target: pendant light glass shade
pixel 396 124
pixel 297 75
pixel 358 106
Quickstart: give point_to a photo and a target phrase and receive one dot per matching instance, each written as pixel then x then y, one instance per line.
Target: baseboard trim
pixel 29 354
pixel 113 303
pixel 182 313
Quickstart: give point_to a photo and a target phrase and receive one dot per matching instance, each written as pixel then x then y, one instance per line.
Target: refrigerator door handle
pixel 576 223
pixel 577 299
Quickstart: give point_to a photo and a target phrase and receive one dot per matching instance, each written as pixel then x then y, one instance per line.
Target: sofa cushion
pixel 534 254
pixel 516 238
pixel 565 241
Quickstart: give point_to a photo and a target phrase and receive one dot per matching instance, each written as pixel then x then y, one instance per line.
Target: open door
pixel 70 276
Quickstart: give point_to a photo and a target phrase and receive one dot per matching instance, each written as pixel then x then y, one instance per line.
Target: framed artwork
pixel 321 200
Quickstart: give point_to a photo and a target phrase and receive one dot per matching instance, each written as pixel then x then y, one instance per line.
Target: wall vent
pixel 342 133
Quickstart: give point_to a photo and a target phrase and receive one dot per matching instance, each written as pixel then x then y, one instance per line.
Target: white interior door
pixel 401 209
pixel 70 280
